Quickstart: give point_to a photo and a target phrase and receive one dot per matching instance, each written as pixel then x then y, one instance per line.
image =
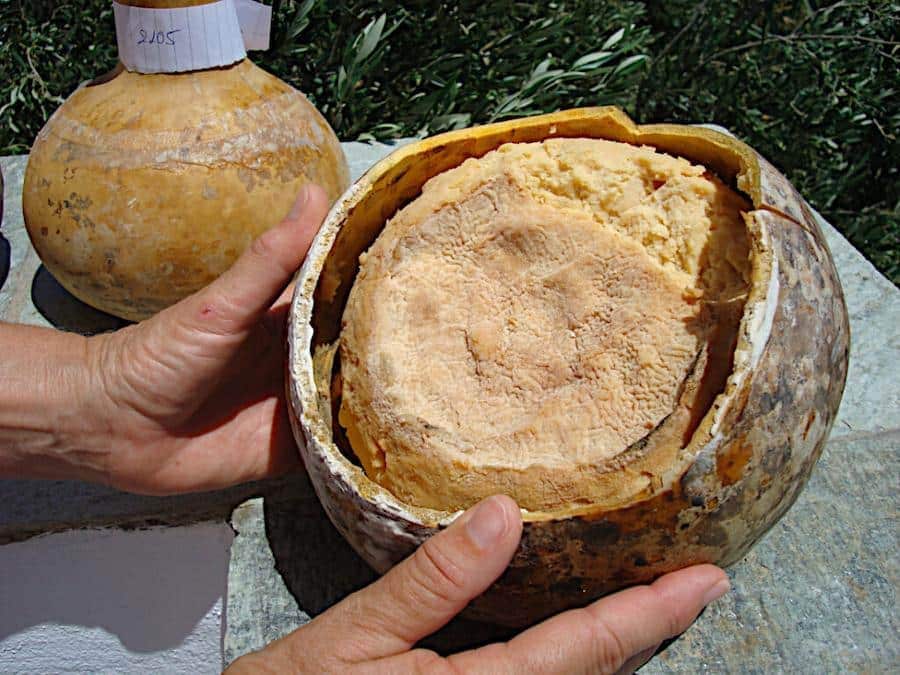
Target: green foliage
pixel 388 69
pixel 813 86
pixel 47 49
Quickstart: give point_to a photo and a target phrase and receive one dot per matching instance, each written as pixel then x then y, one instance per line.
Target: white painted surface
pixel 115 601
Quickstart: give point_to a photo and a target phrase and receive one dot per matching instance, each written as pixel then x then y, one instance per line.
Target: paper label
pixel 255 20
pixel 190 38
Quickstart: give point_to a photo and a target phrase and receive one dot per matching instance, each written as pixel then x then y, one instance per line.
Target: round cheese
pixel 539 321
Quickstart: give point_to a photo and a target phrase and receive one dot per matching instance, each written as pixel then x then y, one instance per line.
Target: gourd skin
pixel 144 188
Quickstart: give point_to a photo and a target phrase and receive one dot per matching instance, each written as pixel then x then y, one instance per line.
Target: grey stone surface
pixel 259 608
pixel 22 259
pixel 871 402
pixel 818 593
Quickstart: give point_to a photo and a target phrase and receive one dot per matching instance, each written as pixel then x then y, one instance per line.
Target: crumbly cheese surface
pixel 532 316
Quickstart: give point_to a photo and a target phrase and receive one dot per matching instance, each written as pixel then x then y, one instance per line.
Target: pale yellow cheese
pixel 524 324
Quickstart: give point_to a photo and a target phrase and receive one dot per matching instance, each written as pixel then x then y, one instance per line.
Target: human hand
pixel 193 398
pixel 376 628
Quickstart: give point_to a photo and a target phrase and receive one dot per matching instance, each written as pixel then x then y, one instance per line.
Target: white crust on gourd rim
pixel 302 382
pixel 756 323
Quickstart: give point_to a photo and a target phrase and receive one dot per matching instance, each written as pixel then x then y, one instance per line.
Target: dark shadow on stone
pixel 320 568
pixel 65 311
pixel 5 249
pixel 5 252
pixel 668 643
pixel 317 565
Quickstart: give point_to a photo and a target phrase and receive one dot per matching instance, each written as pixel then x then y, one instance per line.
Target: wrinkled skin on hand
pixel 195 395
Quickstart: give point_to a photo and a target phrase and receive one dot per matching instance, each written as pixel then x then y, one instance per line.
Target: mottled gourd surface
pixel 538 319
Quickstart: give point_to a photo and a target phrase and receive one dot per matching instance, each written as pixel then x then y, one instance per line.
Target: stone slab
pixel 260 608
pixel 871 402
pixel 819 593
pixel 29 508
pixel 816 595
pixel 813 588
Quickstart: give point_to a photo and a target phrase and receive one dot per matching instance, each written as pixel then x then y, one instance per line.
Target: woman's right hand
pixel 375 630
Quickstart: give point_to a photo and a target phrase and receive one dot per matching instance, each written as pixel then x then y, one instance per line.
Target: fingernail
pixel 717 591
pixel 299 203
pixel 487 524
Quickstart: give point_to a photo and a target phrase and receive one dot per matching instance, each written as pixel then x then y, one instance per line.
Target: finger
pixel 238 299
pixel 637 661
pixel 429 588
pixel 604 635
pixel 285 298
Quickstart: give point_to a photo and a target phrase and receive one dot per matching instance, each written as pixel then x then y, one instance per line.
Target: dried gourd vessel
pixel 143 188
pixel 635 331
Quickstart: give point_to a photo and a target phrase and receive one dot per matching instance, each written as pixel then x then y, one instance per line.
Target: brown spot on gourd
pixel 712 535
pixel 730 464
pixel 659 512
pixel 809 423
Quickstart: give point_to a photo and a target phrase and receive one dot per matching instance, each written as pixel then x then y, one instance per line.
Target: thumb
pixel 425 591
pixel 236 301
